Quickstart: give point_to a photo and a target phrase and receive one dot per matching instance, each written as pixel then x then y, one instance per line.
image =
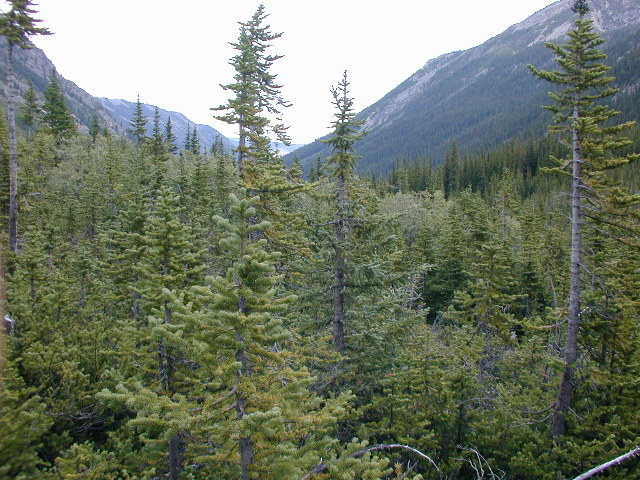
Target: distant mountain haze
pixel 484 96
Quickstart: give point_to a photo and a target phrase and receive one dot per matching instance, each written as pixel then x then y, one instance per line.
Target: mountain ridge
pixel 485 95
pixel 114 114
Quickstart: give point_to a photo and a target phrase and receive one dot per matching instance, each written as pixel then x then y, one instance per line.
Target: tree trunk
pixel 175 456
pixel 245 444
pixel 166 371
pixel 13 154
pixel 565 392
pixel 339 277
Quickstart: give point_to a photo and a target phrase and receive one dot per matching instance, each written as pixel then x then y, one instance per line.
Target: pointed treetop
pixel 580 7
pixel 17 25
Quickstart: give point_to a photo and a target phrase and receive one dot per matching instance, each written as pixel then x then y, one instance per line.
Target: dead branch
pixel 612 463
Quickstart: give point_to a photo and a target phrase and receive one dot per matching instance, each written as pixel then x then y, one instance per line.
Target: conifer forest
pixel 185 311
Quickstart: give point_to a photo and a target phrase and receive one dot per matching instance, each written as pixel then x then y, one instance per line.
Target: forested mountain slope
pixel 201 315
pixel 485 95
pixel 34 66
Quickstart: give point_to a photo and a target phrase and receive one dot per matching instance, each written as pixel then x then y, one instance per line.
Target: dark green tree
pixel 57 116
pixel 451 172
pixel 138 125
pixel 16 25
pixel 195 141
pixel 31 109
pixel 186 145
pixel 580 113
pixel 157 148
pixel 170 137
pixel 342 164
pixel 94 128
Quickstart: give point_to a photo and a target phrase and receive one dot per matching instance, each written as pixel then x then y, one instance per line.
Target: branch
pixel 321 467
pixel 609 464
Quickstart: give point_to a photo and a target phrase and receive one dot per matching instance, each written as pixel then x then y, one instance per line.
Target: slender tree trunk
pixel 339 277
pixel 242 142
pixel 565 392
pixel 245 444
pixel 13 154
pixel 166 370
pixel 175 456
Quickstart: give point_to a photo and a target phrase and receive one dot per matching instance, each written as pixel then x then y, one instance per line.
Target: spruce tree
pixel 17 25
pixel 57 116
pixel 138 125
pixel 256 93
pixel 170 137
pixel 169 264
pixel 195 141
pixel 579 112
pixel 31 109
pixel 451 172
pixel 94 128
pixel 342 164
pixel 157 150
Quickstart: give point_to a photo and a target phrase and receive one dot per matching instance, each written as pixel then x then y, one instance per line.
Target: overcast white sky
pixel 175 53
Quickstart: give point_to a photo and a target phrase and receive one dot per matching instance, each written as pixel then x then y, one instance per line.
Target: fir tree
pixel 186 145
pixel 195 141
pixel 342 164
pixel 157 150
pixel 450 172
pixel 31 109
pixel 170 137
pixel 57 116
pixel 256 92
pixel 17 25
pixel 578 111
pixel 138 125
pixel 94 128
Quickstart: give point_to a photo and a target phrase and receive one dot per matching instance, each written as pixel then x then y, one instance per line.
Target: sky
pixel 175 54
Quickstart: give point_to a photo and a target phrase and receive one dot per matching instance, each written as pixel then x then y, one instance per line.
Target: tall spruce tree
pixel 580 113
pixel 342 164
pixel 256 93
pixel 16 25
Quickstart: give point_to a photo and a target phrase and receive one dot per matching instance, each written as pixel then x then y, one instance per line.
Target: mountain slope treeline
pixel 33 67
pixel 484 96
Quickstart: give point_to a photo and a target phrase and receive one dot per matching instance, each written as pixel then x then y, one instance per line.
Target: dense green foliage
pixel 175 317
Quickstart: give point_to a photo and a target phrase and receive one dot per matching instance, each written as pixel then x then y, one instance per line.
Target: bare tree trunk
pixel 339 278
pixel 175 456
pixel 565 392
pixel 13 154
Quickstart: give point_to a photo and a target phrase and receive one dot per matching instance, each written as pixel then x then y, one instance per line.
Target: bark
pixel 13 154
pixel 565 392
pixel 175 456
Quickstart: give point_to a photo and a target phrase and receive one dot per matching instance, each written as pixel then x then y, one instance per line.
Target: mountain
pixel 33 65
pixel 123 111
pixel 481 97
